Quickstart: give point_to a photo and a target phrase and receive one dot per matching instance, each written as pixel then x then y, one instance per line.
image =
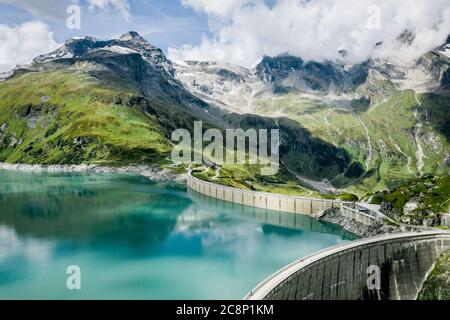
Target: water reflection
pixel 82 207
pixel 273 218
pixel 136 239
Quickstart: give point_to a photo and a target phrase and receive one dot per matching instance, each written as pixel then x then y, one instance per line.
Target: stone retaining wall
pixel 446 220
pixel 357 215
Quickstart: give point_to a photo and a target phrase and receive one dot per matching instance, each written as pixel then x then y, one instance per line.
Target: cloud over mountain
pixel 245 30
pixel 22 43
pixel 122 5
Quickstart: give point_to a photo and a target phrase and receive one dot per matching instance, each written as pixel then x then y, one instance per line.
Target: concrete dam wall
pixel 277 202
pixel 274 218
pixel 390 267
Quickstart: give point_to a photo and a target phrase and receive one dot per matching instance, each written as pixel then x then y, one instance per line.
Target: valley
pixel 347 130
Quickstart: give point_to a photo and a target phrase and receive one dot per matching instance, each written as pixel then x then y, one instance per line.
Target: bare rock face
pixel 227 96
pixel 362 231
pixel 438 66
pixel 288 72
pixel 129 43
pixel 410 207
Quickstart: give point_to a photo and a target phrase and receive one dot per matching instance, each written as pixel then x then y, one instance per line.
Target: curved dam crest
pixel 343 272
pixel 402 261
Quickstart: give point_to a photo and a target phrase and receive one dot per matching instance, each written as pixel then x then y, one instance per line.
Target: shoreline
pixel 359 224
pixel 164 175
pixel 148 171
pixel 360 230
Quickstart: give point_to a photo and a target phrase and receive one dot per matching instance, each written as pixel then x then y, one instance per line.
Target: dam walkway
pixel 388 267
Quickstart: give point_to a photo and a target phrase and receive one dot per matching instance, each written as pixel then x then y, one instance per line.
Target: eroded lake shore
pixel 150 172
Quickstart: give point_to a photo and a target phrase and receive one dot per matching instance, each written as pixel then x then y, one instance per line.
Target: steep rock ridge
pixel 335 117
pixel 131 61
pixel 300 152
pixel 102 102
pixel 286 73
pixel 438 66
pixel 430 73
pixel 377 86
pixel 229 87
pixel 445 48
pixel 109 102
pixel 369 109
pixel 6 75
pixel 130 42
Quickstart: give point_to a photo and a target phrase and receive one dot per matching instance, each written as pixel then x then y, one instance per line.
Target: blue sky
pixel 234 31
pixel 163 22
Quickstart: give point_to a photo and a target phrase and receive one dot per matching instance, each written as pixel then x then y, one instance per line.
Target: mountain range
pixel 355 128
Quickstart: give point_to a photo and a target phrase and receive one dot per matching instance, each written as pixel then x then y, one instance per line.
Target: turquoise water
pixel 134 239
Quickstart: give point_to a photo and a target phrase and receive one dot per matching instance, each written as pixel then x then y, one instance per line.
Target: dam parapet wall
pixel 389 267
pixel 278 202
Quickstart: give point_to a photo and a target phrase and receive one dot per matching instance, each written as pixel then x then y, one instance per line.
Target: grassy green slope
pixel 437 285
pixel 428 198
pixel 398 127
pixel 67 117
pixel 392 126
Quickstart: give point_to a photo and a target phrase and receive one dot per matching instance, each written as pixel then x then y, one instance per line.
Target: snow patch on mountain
pixel 129 43
pixel 238 89
pixel 119 49
pixel 229 87
pixel 418 79
pixel 6 75
pixel 446 50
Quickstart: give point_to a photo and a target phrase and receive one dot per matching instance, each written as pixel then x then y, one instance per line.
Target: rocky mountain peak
pixel 343 53
pixel 134 40
pixel 129 43
pixel 81 39
pixel 287 72
pixel 132 36
pixel 74 47
pixel 406 37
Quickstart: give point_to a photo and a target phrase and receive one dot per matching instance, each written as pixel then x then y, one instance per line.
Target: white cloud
pixel 19 45
pixel 11 246
pixel 122 5
pixel 245 30
pixel 219 8
pixel 42 9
